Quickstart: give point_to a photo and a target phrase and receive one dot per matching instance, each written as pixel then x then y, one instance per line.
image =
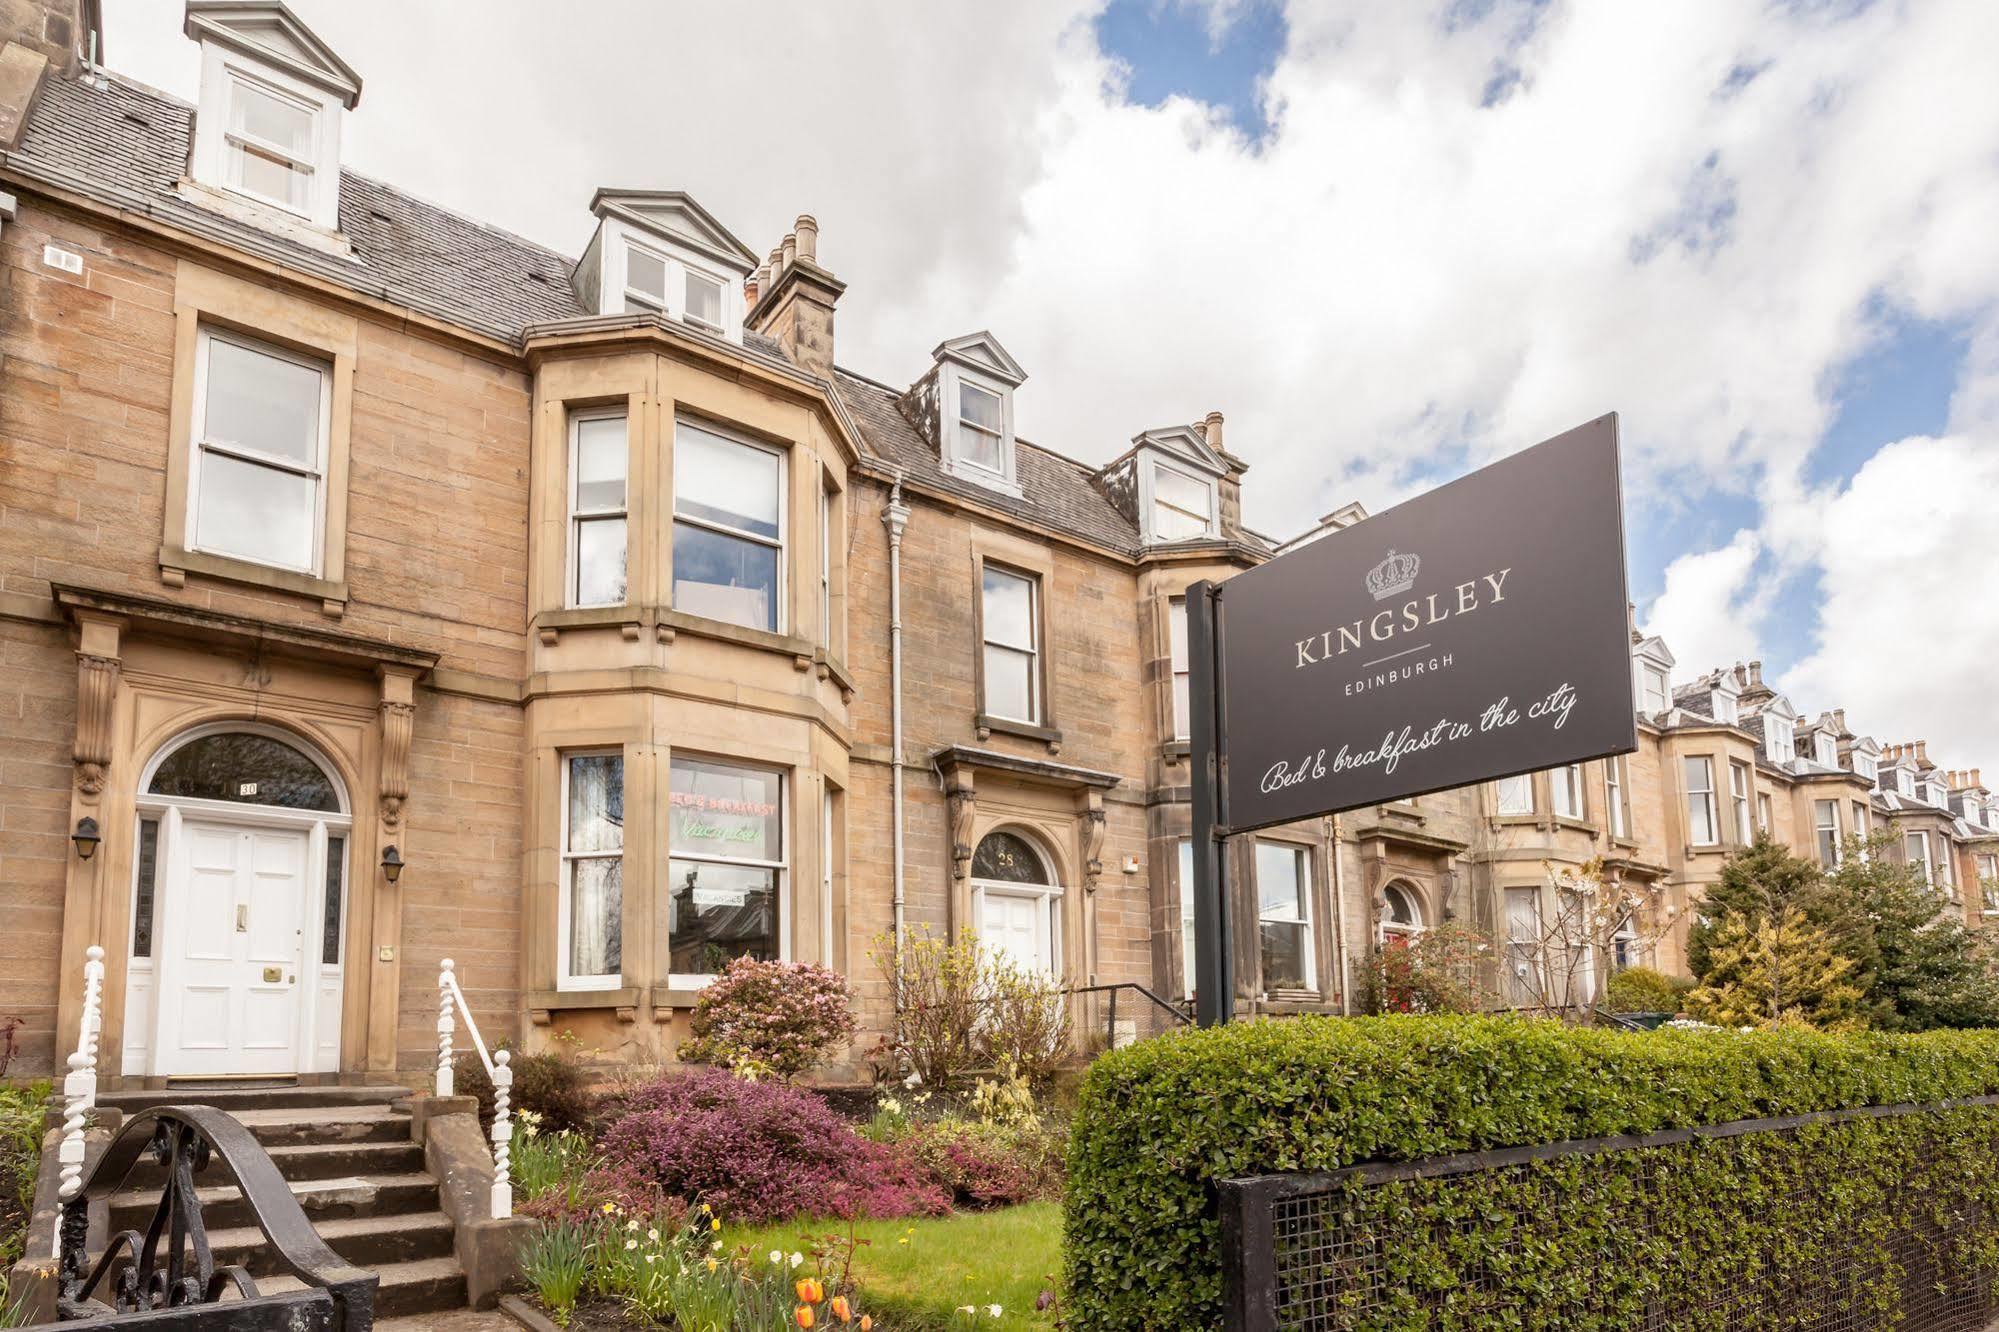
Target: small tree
pixel 1441 970
pixel 939 1001
pixel 769 1017
pixel 1557 963
pixel 1764 970
pixel 1929 970
pixel 1764 879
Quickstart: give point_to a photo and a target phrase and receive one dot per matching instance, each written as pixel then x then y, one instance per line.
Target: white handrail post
pixel 79 1087
pixel 503 1137
pixel 444 1028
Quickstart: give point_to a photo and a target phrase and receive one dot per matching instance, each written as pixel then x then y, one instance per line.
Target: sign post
pixel 1478 631
pixel 1214 953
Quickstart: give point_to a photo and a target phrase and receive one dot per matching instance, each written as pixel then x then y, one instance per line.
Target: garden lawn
pixel 1006 1257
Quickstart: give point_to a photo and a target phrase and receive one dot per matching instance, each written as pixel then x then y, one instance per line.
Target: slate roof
pixel 126 144
pixel 130 144
pixel 1056 492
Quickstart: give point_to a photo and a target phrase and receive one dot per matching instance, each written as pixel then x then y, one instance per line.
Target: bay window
pixel 598 455
pixel 1284 915
pixel 726 866
pixel 1825 824
pixel 256 481
pixel 1738 795
pixel 728 528
pixel 1613 796
pixel 1565 787
pixel 1010 626
pixel 1515 795
pixel 1176 634
pixel 589 942
pixel 1703 826
pixel 1918 845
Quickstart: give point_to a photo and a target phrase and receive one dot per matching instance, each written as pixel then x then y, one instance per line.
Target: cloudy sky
pixel 1390 242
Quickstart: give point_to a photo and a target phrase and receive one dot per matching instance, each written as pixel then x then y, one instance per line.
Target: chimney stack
pixel 796 297
pixel 1212 426
pixel 1923 751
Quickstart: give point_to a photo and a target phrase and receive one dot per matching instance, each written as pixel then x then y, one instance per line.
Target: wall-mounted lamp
pixel 85 837
pixel 392 864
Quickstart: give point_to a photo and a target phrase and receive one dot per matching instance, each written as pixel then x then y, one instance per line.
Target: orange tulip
pixel 867 1323
pixel 841 1310
pixel 810 1291
pixel 802 1315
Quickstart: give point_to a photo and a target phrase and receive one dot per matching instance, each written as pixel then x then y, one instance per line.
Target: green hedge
pixel 1158 1120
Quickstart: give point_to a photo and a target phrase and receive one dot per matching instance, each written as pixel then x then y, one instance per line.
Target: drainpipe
pixel 896 517
pixel 1345 972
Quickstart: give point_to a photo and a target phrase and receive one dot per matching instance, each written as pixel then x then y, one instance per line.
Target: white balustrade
pixel 79 1087
pixel 451 1005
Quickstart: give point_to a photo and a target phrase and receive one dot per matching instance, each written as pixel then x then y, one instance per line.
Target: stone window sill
pixel 1579 825
pixel 989 725
pixel 544 1004
pixel 176 564
pixel 1516 820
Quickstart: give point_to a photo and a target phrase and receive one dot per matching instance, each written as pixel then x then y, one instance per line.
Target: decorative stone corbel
pixel 1094 825
pixel 97 673
pixel 963 798
pixel 398 709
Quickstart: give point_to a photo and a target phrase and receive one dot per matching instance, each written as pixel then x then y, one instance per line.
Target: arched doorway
pixel 1401 913
pixel 239 900
pixel 1017 901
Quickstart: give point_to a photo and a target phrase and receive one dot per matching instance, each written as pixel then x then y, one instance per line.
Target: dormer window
pixel 1780 739
pixel 981 427
pixel 660 253
pixel 1656 693
pixel 1724 707
pixel 268 126
pixel 972 389
pixel 1863 764
pixel 1905 783
pixel 1827 750
pixel 1183 506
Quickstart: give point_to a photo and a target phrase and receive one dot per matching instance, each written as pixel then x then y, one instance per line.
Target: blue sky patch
pixel 1168 48
pixel 1900 386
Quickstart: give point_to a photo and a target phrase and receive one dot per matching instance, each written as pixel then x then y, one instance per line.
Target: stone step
pixel 292 1126
pixel 223 1206
pixel 423 1286
pixel 308 1160
pixel 234 1099
pixel 365 1241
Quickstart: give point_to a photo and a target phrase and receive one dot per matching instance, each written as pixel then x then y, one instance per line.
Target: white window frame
pixel 781 593
pixel 1780 739
pixel 1828 852
pixel 235 144
pixel 1037 705
pixel 684 980
pixel 825 517
pixel 1825 749
pixel 212 160
pixel 1519 782
pixel 199 446
pixel 617 239
pixel 1918 837
pixel 565 886
pixel 1613 796
pixel 1706 794
pixel 963 424
pixel 1303 858
pixel 1905 783
pixel 1764 823
pixel 1180 682
pixel 659 303
pixel 951 379
pixel 1047 898
pixel 1395 929
pixel 1565 788
pixel 689 275
pixel 1183 872
pixel 1864 765
pixel 1654 680
pixel 577 517
pixel 1153 500
pixel 1988 883
pixel 1725 708
pixel 1740 788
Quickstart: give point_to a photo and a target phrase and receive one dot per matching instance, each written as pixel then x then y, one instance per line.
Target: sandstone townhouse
pixel 378 587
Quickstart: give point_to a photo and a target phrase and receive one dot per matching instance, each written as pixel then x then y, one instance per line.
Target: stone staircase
pixel 353 1168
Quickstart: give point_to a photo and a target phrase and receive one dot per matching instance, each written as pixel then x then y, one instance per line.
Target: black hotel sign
pixel 1477 631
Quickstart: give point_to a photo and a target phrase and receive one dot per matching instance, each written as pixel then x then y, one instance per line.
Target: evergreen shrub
pixel 1160 1120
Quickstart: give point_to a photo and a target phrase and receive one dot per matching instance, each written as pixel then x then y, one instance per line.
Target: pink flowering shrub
pixel 780 1017
pixel 991 1165
pixel 762 1151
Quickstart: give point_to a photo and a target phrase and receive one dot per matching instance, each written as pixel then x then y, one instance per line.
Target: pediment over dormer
pixel 270 33
pixel 982 352
pixel 674 216
pixel 1186 444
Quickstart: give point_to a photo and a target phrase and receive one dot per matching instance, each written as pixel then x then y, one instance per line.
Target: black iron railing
pixel 167 1276
pixel 1387 1245
pixel 1110 1016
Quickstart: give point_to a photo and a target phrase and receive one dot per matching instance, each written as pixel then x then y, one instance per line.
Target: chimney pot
pixel 1212 425
pixel 1923 750
pixel 1756 673
pixel 790 248
pixel 807 231
pixel 776 263
pixel 750 287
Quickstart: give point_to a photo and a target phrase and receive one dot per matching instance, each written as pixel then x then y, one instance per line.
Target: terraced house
pixel 377 587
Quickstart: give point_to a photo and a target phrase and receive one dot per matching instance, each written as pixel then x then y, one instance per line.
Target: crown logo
pixel 1395 574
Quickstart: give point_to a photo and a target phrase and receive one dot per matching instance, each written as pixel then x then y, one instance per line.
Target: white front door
pixel 1012 927
pixel 235 909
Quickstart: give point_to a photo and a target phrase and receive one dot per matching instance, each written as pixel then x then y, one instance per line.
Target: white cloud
pixel 1909 631
pixel 1711 612
pixel 1689 212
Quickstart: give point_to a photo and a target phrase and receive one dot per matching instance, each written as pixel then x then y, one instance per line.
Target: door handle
pixel 242 918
